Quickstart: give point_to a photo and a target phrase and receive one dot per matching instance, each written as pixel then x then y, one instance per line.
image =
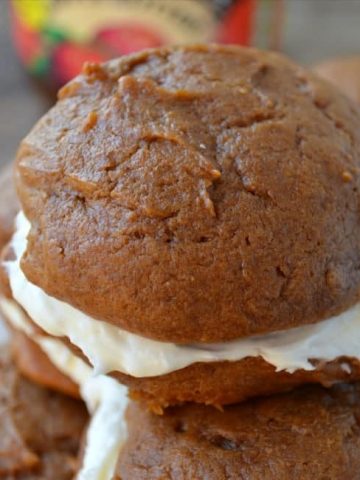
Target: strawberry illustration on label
pixel 128 38
pixel 68 59
pixel 237 24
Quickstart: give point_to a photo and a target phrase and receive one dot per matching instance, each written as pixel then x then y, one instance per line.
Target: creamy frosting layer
pixel 105 398
pixel 109 348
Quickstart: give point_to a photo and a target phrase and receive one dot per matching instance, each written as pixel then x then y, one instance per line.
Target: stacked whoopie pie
pixel 190 228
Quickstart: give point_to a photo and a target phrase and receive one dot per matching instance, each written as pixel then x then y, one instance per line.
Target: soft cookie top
pixel 196 194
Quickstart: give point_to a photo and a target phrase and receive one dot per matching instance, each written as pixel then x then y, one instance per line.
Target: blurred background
pixel 44 42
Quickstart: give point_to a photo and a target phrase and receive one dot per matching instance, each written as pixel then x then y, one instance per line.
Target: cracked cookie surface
pixel 196 194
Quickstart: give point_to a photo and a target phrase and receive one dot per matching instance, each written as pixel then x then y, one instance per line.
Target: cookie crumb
pixel 91 121
pixel 346 176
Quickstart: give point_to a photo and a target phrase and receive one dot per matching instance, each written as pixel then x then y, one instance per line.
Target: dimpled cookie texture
pixel 311 433
pixel 195 194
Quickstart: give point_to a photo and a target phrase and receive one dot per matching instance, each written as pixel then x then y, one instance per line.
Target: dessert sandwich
pixel 188 229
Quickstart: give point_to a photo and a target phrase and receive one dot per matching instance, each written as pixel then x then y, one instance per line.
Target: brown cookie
pixel 196 194
pixel 344 72
pixel 309 434
pixel 224 383
pixel 40 431
pixel 35 365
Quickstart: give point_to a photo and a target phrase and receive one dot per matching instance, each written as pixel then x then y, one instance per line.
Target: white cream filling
pixel 105 398
pixel 109 348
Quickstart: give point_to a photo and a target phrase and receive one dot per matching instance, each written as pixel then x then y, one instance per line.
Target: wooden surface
pixel 314 30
